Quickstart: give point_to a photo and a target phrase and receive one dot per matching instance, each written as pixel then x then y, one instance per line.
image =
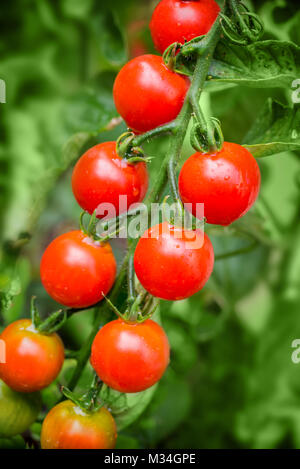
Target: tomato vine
pixel 74 280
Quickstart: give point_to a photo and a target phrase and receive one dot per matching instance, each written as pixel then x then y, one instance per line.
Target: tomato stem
pixel 168 128
pixel 87 402
pixel 35 316
pixel 131 281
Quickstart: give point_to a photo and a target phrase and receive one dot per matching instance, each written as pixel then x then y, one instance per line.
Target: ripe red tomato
pixel 181 21
pixel 130 357
pixel 33 360
pixel 227 182
pixel 101 176
pixel 17 411
pixel 147 94
pixel 69 427
pixel 172 263
pixel 76 271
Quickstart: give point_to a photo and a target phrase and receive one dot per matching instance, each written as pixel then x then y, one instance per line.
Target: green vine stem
pixel 131 281
pixel 192 104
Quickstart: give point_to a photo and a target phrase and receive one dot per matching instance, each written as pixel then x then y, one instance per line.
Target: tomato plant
pixel 100 176
pixel 181 21
pixel 226 182
pixel 17 411
pixel 172 263
pixel 33 360
pixel 76 270
pixel 112 128
pixel 67 426
pixel 130 357
pixel 147 94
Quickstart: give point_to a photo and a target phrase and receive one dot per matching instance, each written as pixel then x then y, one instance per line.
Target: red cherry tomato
pixel 147 94
pixel 227 182
pixel 69 427
pixel 33 360
pixel 172 263
pixel 130 357
pixel 76 271
pixel 181 21
pixel 101 176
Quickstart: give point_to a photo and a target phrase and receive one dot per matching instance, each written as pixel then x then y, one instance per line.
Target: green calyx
pixel 128 151
pixel 51 324
pixel 207 137
pixel 139 309
pixel 88 401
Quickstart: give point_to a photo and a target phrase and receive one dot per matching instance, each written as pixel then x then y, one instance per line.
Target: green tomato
pixel 17 410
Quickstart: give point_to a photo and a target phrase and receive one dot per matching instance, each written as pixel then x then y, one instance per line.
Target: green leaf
pixel 264 64
pixel 16 442
pixel 168 409
pixel 126 408
pixel 90 112
pixel 276 129
pixel 271 412
pixel 109 38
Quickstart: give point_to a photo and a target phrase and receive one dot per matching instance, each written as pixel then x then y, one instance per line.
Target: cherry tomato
pixel 76 271
pixel 101 176
pixel 227 182
pixel 181 21
pixel 147 94
pixel 33 360
pixel 172 263
pixel 17 411
pixel 67 426
pixel 130 357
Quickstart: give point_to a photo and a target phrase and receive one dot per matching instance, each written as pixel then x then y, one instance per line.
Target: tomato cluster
pixel 78 269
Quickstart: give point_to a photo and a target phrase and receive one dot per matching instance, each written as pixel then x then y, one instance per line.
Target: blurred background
pixel 231 382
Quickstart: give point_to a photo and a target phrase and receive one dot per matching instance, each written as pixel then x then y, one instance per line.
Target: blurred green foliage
pixel 231 382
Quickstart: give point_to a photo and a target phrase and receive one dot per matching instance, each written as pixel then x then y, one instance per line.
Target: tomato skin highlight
pixel 227 182
pixel 75 270
pixel 33 360
pixel 181 21
pixel 172 263
pixel 17 411
pixel 147 94
pixel 68 427
pixel 101 176
pixel 130 357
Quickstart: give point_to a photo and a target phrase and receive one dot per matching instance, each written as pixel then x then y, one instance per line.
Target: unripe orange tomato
pixel 67 426
pixel 33 360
